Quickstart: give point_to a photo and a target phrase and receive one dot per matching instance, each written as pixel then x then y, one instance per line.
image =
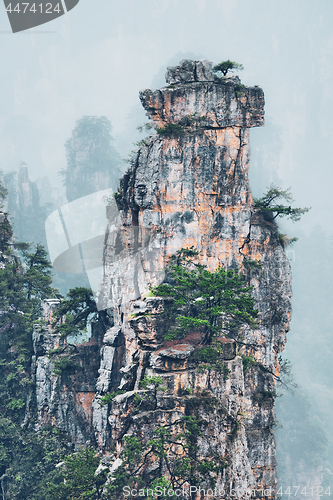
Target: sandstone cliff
pixel 187 186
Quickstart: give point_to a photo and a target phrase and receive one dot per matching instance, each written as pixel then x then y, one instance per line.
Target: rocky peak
pixel 195 92
pixel 188 186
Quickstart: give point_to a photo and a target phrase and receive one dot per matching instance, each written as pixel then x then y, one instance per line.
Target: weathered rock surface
pixel 192 189
pixel 190 71
pixel 222 103
pixel 188 190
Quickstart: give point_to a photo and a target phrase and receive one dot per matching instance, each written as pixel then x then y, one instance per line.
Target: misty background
pixel 95 59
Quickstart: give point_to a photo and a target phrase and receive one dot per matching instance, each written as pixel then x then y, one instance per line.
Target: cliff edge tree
pixel 78 309
pixel 271 208
pixel 225 66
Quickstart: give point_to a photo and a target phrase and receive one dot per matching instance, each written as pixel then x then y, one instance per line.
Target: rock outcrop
pixel 23 205
pixel 188 186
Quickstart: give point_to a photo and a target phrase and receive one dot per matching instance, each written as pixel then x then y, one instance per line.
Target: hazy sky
pixel 95 59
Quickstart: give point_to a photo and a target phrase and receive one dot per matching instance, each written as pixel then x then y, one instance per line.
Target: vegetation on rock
pixel 271 209
pixel 24 283
pixel 77 478
pixel 27 459
pixel 217 303
pixel 225 66
pixel 175 453
pixel 74 313
pixel 190 123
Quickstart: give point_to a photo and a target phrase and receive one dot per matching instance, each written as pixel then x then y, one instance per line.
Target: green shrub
pixel 155 381
pixel 264 396
pixel 285 240
pixel 107 398
pixel 206 355
pixel 118 196
pixel 248 362
pixel 53 352
pixel 64 364
pixel 240 88
pixel 189 122
pixel 271 209
pixel 252 264
pixel 171 129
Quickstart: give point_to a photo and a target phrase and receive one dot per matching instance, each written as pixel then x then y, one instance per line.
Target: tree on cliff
pixel 77 479
pixel 6 231
pixel 271 209
pixel 24 283
pixel 27 459
pixel 225 66
pixel 78 309
pixel 37 275
pixel 218 302
pixel 3 194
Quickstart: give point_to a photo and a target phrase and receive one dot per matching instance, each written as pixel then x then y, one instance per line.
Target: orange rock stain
pixel 85 399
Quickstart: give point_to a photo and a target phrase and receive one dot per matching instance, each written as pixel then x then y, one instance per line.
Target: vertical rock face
pixel 188 186
pixel 63 394
pixel 23 205
pixel 23 194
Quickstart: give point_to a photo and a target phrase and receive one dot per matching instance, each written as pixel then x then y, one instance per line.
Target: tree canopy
pixel 76 478
pixel 225 66
pixel 24 283
pixel 270 207
pixel 217 302
pixel 74 313
pixel 27 459
pixel 79 306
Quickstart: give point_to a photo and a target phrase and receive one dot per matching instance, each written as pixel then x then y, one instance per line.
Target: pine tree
pixel 271 209
pixel 218 302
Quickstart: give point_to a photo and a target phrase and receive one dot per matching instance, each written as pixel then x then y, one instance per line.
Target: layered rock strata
pixel 188 186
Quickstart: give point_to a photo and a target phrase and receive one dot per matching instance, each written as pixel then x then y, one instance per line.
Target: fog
pixel 96 58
